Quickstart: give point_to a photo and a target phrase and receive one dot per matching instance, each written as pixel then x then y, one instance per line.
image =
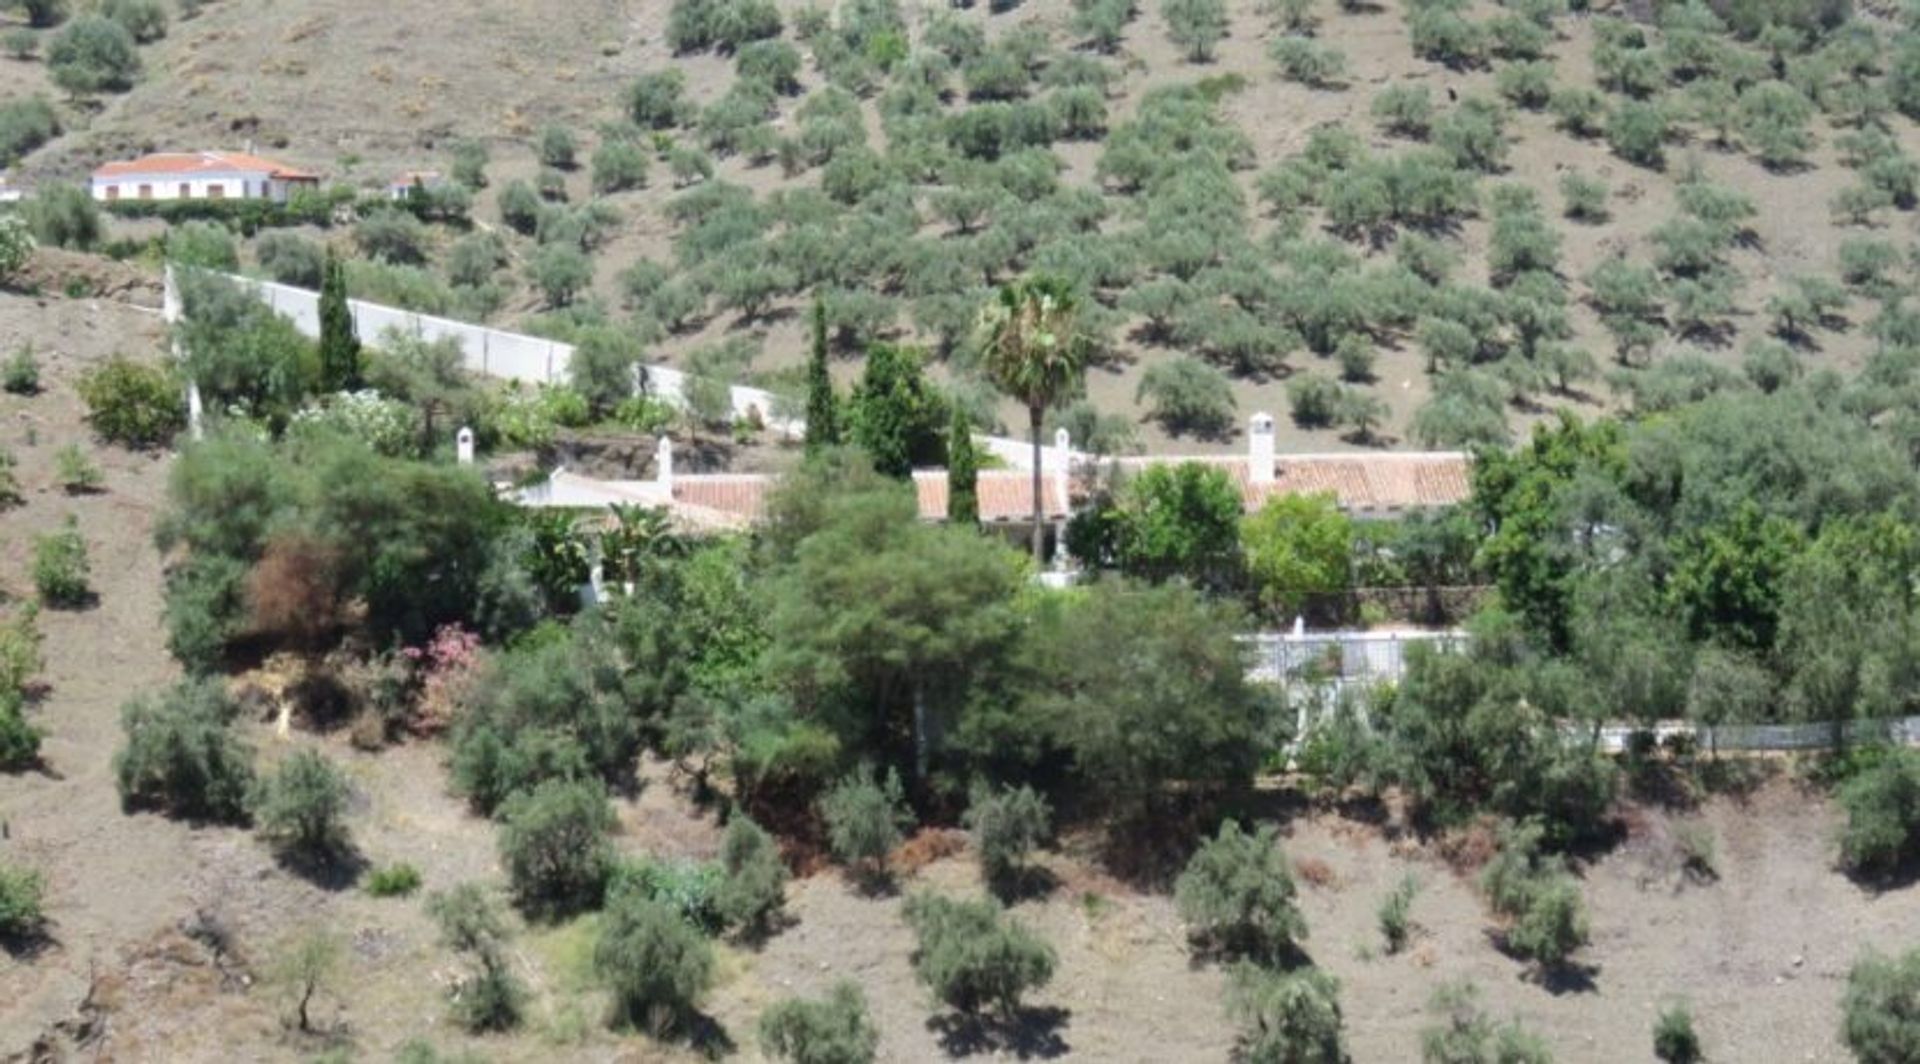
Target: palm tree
pixel 1034 353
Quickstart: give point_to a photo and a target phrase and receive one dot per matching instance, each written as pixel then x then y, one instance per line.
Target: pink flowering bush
pixel 445 668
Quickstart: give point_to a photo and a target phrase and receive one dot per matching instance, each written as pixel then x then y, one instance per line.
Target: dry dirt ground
pixel 128 972
pixel 362 89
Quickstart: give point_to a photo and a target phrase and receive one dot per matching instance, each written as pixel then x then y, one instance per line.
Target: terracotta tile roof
pixel 1362 483
pixel 201 162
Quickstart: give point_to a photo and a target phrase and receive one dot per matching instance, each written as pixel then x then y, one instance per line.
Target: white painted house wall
pixel 234 185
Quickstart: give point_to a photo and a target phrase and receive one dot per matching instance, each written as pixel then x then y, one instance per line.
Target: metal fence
pixel 1341 659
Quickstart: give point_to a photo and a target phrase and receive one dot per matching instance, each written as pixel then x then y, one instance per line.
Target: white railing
pixel 1340 659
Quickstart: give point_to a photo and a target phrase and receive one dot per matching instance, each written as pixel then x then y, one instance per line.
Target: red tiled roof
pixel 1361 483
pixel 202 162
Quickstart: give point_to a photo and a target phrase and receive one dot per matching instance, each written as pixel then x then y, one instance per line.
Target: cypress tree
pixel 963 472
pixel 339 347
pixel 823 410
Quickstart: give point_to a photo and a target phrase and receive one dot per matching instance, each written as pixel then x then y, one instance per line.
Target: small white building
pixel 199 175
pixel 403 185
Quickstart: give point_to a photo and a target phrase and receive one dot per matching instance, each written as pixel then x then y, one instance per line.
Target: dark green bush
pixel 656 963
pixel 971 955
pixel 1883 815
pixel 1287 1017
pixel 60 567
pixel 553 843
pixel 1237 895
pixel 397 880
pixel 181 756
pixel 835 1030
pixel 755 878
pixel 1881 1025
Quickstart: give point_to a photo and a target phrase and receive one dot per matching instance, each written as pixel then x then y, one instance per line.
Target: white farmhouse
pixel 199 175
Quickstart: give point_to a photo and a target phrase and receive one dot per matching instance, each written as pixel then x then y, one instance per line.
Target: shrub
pixel 656 964
pixel 181 756
pixel 132 403
pixel 1883 815
pixel 1287 1017
pixel 63 216
pixel 16 246
pixel 21 915
pixel 557 148
pixel 1552 925
pixel 971 955
pixel 21 44
pixel 754 887
pixel 1578 110
pixel 658 100
pixel 1404 110
pixel 619 165
pixel 553 842
pixel 1881 1025
pixel 1637 132
pixel 397 880
pixel 470 165
pixel 60 567
pixel 1473 135
pixel 19 741
pixel 1196 26
pixel 76 472
pixel 835 1030
pixel 208 245
pixel 1585 196
pixel 392 235
pixel 560 272
pixel 302 806
pixel 1674 1040
pixel 1395 913
pixel 21 374
pixel 1007 825
pixel 865 816
pixel 1188 396
pixel 490 998
pixel 146 20
pixel 1301 59
pixel 1528 85
pixel 1314 400
pixel 1773 120
pixel 1237 896
pixel 290 258
pixel 1440 35
pixel 93 54
pixel 1466 1035
pixel 25 124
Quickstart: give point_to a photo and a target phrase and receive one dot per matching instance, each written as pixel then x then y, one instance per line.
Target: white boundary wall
pixel 490 352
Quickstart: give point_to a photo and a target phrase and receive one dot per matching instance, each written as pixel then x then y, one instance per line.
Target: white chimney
pixel 663 465
pixel 1063 446
pixel 1260 461
pixel 463 444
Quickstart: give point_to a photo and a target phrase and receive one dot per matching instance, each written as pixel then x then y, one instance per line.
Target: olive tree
pixel 1881 1024
pixel 1196 26
pixel 971 955
pixel 1237 895
pixel 834 1030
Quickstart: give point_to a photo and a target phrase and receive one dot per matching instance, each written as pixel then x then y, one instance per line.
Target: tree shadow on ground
pixel 1558 978
pixel 1032 1032
pixel 1028 883
pixel 27 946
pixel 331 870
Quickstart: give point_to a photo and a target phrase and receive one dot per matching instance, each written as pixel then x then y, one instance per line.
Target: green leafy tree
pixel 1176 707
pixel 963 473
pixel 1035 352
pixel 1637 132
pixel 971 955
pixel 1188 395
pixel 656 963
pixel 896 415
pixel 340 367
pixel 1296 546
pixel 1881 1022
pixel 553 842
pixel 302 806
pixel 1181 521
pixel 303 968
pixel 823 407
pixel 1237 895
pixel 1287 1017
pixel 93 54
pixel 835 1030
